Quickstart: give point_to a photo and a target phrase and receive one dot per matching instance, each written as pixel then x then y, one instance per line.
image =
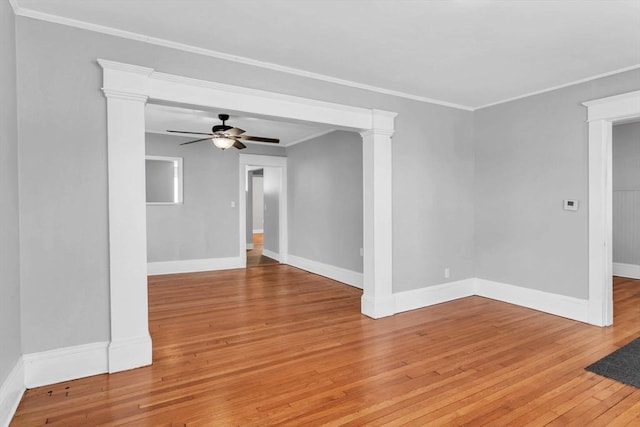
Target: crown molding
pixel 14 6
pixel 551 89
pixel 34 14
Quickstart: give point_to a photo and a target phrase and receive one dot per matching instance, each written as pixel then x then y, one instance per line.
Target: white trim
pixel 34 14
pixel 271 254
pixel 350 277
pixel 30 13
pixel 205 94
pixel 431 295
pixel 249 246
pixel 258 230
pixel 377 197
pixel 602 114
pixel 246 162
pixel 310 137
pixel 559 305
pixel 126 88
pixel 377 307
pixel 11 392
pixel 64 364
pixel 193 265
pixel 125 123
pixel 551 89
pixel 129 353
pixel 631 271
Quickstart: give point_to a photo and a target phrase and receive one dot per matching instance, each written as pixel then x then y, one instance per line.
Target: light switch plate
pixel 570 205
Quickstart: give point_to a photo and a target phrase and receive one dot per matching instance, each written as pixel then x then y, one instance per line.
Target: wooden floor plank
pixel 277 345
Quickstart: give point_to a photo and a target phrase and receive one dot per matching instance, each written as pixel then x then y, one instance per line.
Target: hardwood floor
pixel 276 345
pixel 255 256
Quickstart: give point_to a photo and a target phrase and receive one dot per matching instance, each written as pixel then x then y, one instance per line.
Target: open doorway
pixel 602 114
pixel 263 209
pixel 626 199
pixel 262 224
pixel 127 88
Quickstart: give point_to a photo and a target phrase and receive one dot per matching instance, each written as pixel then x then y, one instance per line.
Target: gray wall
pixel 626 193
pixel 258 202
pixel 626 156
pixel 325 199
pixel 204 225
pixel 271 190
pixel 10 332
pixel 63 170
pixel 530 155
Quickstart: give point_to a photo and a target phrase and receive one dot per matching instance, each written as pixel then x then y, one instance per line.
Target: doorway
pixel 127 88
pixel 626 199
pixel 273 179
pixel 261 221
pixel 601 116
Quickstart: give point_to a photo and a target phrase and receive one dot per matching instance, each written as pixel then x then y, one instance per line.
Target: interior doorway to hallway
pixel 257 253
pixel 263 209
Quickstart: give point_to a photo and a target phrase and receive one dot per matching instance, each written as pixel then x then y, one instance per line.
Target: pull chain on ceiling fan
pixel 224 136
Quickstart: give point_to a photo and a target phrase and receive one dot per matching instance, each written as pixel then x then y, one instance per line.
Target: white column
pixel 125 89
pixel 130 345
pixel 600 223
pixel 377 299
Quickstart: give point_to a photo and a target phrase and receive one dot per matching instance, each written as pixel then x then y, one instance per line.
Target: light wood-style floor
pixel 276 345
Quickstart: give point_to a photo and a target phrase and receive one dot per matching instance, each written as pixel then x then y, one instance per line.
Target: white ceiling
pixel 468 53
pixel 160 118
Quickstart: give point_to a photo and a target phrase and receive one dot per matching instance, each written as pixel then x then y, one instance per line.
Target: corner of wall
pixel 11 392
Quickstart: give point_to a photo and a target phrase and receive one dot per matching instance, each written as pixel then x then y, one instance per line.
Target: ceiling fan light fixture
pixel 222 142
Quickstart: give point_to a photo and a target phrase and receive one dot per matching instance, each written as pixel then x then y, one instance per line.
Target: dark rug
pixel 622 365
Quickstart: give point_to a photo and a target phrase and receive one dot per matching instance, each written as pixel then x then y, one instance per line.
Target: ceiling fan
pixel 224 136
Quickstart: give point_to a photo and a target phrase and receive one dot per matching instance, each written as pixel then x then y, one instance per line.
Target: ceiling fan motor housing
pixel 223 127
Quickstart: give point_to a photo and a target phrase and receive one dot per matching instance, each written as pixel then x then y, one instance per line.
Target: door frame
pixel 127 89
pixel 602 114
pixel 245 161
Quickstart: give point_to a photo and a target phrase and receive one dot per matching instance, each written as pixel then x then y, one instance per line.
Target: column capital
pixel 117 94
pixel 376 132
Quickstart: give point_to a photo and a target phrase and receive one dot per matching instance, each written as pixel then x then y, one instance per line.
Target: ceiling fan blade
pixel 239 145
pixel 234 131
pixel 184 131
pixel 197 140
pixel 259 138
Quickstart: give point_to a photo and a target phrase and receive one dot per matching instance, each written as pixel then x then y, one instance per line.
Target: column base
pixel 378 307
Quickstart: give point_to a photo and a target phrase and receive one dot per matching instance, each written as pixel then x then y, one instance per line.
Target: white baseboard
pixel 343 275
pixel 377 308
pixel 631 271
pixel 11 391
pixel 64 364
pixel 249 245
pixel 129 353
pixel 559 305
pixel 424 297
pixel 271 254
pixel 258 230
pixel 193 265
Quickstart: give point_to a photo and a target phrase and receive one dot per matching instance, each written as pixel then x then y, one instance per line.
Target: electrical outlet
pixel 446 273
